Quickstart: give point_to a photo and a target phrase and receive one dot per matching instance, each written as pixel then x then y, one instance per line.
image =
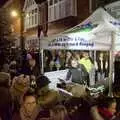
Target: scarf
pixel 105 113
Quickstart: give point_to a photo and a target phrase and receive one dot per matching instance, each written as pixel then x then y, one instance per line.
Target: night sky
pixel 2 2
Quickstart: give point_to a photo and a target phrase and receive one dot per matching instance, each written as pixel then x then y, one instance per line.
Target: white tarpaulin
pixel 54 77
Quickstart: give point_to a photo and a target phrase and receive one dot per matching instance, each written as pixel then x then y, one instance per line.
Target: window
pixel 31 18
pixel 36 16
pixel 31 14
pixel 59 9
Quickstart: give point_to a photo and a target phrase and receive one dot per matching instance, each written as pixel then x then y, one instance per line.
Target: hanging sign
pixel 72 41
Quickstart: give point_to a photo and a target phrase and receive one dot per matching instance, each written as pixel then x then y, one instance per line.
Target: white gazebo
pixel 100 31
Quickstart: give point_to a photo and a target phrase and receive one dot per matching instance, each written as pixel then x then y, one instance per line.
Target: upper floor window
pixel 31 18
pixel 59 9
pixel 31 14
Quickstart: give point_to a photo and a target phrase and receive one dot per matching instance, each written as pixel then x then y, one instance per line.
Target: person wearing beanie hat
pixel 4 79
pixel 46 97
pixel 42 81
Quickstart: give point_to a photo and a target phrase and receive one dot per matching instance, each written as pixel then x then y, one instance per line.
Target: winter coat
pixel 5 104
pixel 34 71
pixel 78 75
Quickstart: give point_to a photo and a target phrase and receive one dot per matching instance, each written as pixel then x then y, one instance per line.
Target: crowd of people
pixel 58 60
pixel 96 65
pixel 25 92
pixel 20 101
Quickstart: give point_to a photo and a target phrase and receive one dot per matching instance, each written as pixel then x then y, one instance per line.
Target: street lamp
pixel 14 13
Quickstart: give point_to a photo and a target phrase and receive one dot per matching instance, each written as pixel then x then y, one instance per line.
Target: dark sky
pixel 2 2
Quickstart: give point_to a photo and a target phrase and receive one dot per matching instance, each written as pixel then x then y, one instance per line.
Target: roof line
pixel 7 3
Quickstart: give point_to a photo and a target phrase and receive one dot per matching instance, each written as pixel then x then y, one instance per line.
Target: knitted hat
pixel 4 77
pixel 21 83
pixel 42 81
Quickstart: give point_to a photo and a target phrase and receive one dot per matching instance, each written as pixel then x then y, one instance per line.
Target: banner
pixel 74 41
pixel 78 41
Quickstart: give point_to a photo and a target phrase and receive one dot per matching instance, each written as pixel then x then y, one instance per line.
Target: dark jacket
pixel 5 104
pixel 27 71
pixel 79 75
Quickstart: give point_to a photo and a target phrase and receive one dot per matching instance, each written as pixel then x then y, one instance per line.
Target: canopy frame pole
pixel 111 64
pixel 42 61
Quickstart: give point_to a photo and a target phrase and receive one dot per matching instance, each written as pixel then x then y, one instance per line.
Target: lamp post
pixel 21 31
pixel 20 15
pixel 15 14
